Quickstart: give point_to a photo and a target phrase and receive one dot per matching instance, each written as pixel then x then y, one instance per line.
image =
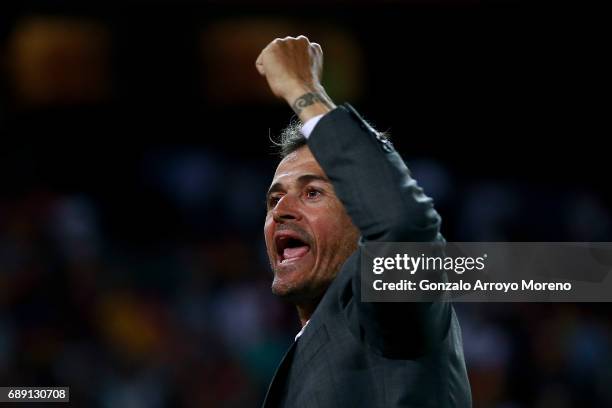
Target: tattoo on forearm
pixel 308 99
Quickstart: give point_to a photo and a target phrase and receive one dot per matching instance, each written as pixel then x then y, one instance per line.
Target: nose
pixel 286 209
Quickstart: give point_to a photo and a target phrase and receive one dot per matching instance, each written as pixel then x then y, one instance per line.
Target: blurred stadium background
pixel 135 157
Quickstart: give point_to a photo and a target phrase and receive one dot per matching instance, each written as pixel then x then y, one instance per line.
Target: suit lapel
pixel 278 380
pixel 314 336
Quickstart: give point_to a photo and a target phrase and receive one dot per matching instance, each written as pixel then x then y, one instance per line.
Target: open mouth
pixel 290 247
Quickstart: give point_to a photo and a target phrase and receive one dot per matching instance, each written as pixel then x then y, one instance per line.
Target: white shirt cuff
pixel 310 125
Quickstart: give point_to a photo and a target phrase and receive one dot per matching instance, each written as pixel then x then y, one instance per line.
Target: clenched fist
pixel 293 68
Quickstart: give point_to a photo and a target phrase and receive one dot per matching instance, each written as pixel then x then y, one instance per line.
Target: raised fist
pixel 292 67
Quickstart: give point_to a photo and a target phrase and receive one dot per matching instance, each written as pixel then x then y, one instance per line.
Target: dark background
pixel 135 156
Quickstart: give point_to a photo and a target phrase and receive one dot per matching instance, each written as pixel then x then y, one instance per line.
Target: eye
pixel 313 193
pixel 273 200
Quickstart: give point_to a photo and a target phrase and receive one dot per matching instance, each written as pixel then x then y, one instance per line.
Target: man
pixel 338 185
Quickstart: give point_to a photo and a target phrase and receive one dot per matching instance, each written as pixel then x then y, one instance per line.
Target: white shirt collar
pixel 297 336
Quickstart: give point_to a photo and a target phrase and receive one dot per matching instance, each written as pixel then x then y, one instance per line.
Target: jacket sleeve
pixel 386 204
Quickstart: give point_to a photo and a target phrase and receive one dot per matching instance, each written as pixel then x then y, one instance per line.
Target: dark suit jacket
pixel 359 354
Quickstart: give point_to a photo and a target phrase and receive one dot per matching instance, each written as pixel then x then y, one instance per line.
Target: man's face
pixel 308 233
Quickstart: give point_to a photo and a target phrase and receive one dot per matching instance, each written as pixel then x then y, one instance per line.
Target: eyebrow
pixel 303 179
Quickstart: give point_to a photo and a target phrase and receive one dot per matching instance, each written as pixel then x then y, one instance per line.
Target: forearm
pixel 372 181
pixel 308 102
